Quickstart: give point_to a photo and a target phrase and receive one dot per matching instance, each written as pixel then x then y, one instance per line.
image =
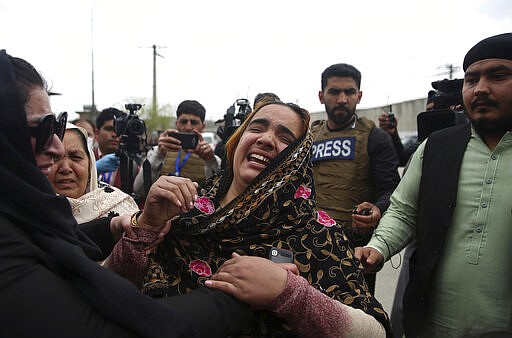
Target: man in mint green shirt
pixel 456 200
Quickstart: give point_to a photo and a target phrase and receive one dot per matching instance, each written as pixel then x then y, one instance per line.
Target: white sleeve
pixel 212 166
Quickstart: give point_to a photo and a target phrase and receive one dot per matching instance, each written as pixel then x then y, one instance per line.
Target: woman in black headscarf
pixel 49 285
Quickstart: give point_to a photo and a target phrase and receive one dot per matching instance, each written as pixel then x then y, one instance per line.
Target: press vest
pixel 193 168
pixel 341 168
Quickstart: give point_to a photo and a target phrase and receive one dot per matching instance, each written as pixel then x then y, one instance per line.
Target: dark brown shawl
pixel 277 210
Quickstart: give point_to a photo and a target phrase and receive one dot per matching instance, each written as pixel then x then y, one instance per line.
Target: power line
pixel 450 70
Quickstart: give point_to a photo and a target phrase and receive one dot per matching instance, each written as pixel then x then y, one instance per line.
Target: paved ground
pixel 386 282
pixel 388 276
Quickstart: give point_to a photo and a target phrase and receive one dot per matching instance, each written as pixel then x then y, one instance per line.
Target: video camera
pixel 131 131
pixel 130 124
pixel 448 93
pixel 234 117
pixel 447 100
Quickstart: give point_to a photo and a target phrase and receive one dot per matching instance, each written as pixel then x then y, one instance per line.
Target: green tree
pixel 164 118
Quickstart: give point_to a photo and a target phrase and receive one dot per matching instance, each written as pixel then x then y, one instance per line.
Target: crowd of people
pixel 196 255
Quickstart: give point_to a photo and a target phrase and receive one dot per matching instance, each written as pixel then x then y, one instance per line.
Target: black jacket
pixel 37 299
pixel 50 284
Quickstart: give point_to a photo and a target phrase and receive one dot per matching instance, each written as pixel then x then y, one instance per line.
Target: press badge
pixel 337 148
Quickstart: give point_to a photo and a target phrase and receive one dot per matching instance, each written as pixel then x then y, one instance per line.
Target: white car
pixel 210 138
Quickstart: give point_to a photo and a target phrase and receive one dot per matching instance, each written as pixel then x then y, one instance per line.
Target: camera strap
pixel 180 164
pixel 146 174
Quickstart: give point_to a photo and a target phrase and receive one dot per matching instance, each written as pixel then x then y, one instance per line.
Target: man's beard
pixel 485 126
pixel 340 119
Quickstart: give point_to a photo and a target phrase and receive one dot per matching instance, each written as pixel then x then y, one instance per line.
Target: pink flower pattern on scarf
pixel 325 219
pixel 302 192
pixel 205 205
pixel 200 267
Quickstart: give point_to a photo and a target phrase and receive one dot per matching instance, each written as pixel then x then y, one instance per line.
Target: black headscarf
pixel 28 199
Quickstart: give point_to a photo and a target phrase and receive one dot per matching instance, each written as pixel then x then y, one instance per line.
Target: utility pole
pixel 450 70
pixel 154 112
pixel 93 103
pixel 154 109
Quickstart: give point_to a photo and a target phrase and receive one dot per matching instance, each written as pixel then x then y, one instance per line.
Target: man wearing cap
pixel 455 200
pixel 169 158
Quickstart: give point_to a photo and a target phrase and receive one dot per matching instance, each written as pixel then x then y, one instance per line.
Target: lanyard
pixel 106 177
pixel 179 165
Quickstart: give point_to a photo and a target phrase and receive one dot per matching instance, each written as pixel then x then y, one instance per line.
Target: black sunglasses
pixel 46 127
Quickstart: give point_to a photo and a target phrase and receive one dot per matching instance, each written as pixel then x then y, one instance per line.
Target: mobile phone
pixel 188 140
pixel 278 255
pixel 392 119
pixel 364 212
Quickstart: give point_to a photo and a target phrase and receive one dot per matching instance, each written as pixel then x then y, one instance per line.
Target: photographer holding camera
pixel 107 143
pixel 181 151
pixel 233 118
pixel 119 139
pixel 390 125
pixel 443 109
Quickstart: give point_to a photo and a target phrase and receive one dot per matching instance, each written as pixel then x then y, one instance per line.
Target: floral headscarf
pixel 99 200
pixel 277 210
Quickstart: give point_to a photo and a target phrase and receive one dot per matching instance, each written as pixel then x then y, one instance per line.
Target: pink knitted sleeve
pixel 129 258
pixel 313 314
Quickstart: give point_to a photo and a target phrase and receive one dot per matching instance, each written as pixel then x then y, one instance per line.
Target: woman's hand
pixel 168 197
pixel 254 280
pixel 121 224
pixel 161 237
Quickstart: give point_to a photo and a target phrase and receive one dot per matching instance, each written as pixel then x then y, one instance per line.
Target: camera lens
pixel 135 127
pixel 120 125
